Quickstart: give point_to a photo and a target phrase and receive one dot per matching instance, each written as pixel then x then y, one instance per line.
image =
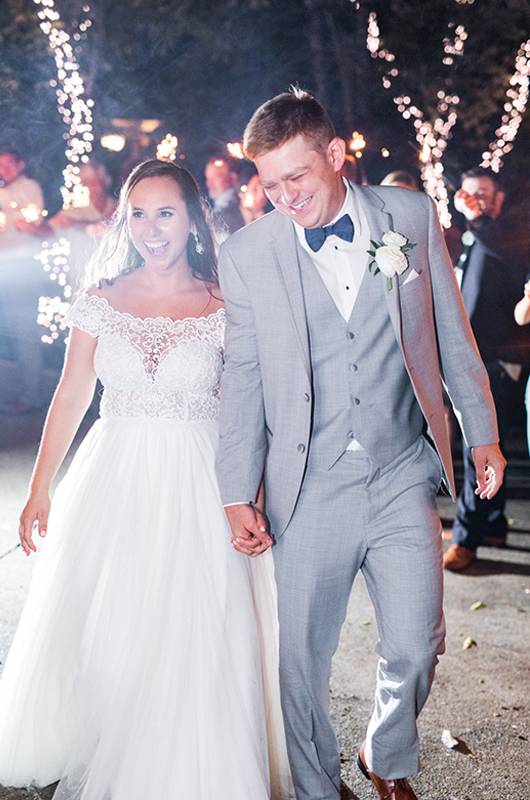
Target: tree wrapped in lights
pixel 433 134
pixel 514 108
pixel 76 112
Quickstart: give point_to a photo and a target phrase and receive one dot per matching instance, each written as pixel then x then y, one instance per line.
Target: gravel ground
pixel 480 694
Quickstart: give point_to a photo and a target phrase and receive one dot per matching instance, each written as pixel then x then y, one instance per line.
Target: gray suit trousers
pixel 385 523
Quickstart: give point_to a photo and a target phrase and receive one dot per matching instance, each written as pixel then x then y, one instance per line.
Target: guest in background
pixel 101 203
pixel 221 182
pixel 81 225
pixel 21 278
pixel 494 265
pixel 522 317
pixel 253 200
pixel 401 178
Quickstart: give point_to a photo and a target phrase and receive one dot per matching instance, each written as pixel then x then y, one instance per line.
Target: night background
pixel 201 68
pixel 197 70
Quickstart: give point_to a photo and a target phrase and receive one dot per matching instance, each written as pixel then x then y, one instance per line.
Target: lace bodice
pixel 153 367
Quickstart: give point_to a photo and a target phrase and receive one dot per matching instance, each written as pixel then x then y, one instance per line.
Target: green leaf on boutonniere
pixel 371 253
pixel 375 245
pixel 389 284
pixel 377 271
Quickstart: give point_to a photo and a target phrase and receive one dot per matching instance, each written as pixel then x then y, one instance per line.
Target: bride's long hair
pixel 116 254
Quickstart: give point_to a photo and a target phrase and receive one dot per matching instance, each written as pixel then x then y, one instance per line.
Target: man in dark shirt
pixel 494 263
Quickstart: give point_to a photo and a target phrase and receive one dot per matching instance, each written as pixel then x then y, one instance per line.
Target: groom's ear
pixel 336 153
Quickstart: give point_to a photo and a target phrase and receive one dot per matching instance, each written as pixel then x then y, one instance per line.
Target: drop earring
pixel 199 247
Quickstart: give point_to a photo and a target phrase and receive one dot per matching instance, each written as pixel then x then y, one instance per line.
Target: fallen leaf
pixel 477 606
pixel 448 740
pixel 458 745
pixel 468 643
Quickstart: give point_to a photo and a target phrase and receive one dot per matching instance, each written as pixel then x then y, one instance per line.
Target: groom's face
pixel 302 181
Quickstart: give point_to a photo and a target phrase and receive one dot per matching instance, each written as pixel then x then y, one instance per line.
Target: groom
pixel 333 376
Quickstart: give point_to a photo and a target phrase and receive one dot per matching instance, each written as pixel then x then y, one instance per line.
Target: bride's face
pixel 158 223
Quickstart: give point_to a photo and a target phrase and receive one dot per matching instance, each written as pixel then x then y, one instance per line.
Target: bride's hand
pixel 36 510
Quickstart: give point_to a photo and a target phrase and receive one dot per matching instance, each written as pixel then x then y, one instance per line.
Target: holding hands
pixel 250 529
pixel 34 516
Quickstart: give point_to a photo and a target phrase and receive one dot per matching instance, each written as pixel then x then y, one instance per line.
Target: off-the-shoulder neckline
pixel 152 319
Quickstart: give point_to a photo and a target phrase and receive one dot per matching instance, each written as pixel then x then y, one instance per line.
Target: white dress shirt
pixel 341 264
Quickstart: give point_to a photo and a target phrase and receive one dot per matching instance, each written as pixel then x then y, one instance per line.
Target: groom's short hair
pixel 283 117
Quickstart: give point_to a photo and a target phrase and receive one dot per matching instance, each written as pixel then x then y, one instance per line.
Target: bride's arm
pixel 68 407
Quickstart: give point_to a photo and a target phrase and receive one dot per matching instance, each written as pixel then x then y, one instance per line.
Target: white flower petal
pixel 394 238
pixel 390 260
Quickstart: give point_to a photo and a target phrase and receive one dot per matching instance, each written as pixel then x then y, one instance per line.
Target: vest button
pixel 307 397
pixel 356 401
pixel 354 367
pixel 351 435
pixel 351 335
pixel 301 448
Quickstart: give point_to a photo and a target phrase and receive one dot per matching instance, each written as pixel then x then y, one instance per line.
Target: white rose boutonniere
pixel 390 256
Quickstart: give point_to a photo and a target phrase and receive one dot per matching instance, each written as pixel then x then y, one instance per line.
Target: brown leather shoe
pixel 345 792
pixel 394 789
pixel 458 558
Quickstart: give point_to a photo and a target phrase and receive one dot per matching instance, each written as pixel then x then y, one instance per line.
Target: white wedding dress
pixel 145 662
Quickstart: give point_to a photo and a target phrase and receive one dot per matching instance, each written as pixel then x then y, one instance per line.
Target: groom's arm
pixel 242 439
pixel 463 371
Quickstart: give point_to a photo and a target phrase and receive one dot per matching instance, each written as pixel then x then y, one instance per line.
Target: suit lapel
pixel 286 255
pixel 380 222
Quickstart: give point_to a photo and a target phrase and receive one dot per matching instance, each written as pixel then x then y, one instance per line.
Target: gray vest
pixel 360 384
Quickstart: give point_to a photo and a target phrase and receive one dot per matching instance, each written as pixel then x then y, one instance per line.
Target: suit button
pixel 351 335
pixel 301 448
pixel 354 367
pixel 356 401
pixel 307 397
pixel 351 435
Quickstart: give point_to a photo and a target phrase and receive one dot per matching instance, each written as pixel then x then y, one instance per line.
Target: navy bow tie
pixel 343 228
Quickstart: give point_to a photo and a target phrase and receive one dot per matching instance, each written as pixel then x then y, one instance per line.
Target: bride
pixel 145 662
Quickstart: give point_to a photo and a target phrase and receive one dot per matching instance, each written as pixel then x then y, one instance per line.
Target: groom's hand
pixel 489 467
pixel 250 529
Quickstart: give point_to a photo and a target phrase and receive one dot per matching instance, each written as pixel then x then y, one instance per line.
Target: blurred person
pixel 494 264
pixel 406 180
pixel 145 661
pixel 522 317
pixel 253 201
pixel 401 178
pixel 221 182
pixel 21 278
pixel 101 203
pixel 81 225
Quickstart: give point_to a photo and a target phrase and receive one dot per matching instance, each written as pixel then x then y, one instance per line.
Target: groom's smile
pixel 302 179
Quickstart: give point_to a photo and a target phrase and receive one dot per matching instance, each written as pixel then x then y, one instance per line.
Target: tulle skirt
pixel 145 663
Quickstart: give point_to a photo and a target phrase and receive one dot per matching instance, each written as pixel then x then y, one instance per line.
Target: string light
pixel 514 108
pixel 432 135
pixel 167 148
pixel 76 112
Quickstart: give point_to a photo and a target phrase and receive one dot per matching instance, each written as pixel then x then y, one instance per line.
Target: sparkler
pixel 514 108
pixel 167 149
pixel 235 149
pixel 76 112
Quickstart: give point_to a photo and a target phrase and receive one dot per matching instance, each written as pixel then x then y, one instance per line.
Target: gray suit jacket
pixel 266 389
